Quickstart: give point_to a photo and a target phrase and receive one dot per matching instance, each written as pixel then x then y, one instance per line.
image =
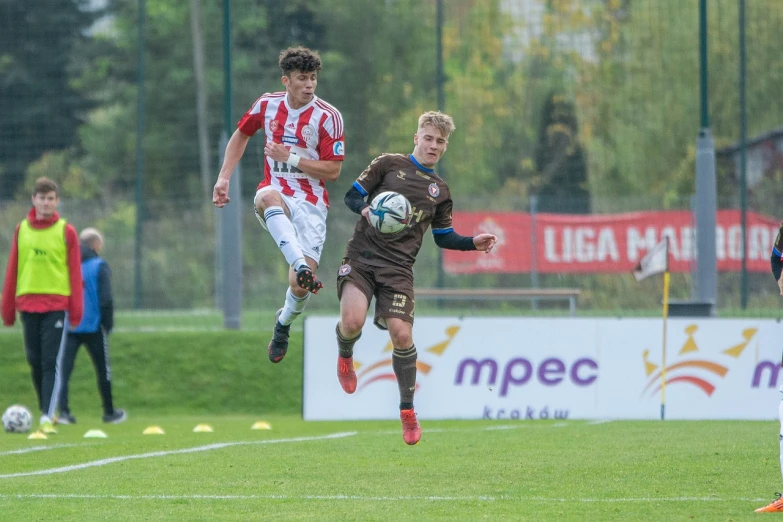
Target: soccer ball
pixel 17 419
pixel 390 212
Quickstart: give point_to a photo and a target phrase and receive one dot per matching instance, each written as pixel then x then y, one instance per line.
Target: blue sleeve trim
pixel 776 252
pixel 442 230
pixel 360 189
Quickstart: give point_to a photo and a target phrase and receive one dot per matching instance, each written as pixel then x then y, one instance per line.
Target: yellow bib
pixel 43 260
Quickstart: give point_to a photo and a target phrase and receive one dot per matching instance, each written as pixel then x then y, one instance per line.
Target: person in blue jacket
pixel 93 330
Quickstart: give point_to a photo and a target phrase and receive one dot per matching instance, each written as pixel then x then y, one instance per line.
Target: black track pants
pixel 97 344
pixel 44 341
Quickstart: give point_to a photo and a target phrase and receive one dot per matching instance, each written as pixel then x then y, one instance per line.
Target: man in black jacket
pixel 93 331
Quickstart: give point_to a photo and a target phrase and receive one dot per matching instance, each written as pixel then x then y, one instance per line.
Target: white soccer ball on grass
pixel 17 419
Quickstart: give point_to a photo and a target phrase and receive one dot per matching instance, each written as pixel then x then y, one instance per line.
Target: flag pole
pixel 663 352
pixel 656 261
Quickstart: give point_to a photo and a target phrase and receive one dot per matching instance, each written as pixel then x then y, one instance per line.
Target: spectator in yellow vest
pixel 43 281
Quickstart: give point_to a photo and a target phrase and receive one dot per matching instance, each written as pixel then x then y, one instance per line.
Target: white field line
pixel 384 432
pixel 103 462
pixel 154 454
pixel 373 498
pixel 40 448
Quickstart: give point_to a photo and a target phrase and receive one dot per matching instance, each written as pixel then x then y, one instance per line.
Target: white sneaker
pixel 46 425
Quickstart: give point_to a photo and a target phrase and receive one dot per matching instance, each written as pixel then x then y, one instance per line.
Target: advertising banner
pixel 558 368
pixel 566 243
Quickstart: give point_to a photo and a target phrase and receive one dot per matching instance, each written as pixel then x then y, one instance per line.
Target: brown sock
pixel 345 345
pixel 404 365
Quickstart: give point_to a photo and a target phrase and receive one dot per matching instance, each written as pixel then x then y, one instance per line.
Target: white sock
pixel 283 233
pixel 292 308
pixel 780 414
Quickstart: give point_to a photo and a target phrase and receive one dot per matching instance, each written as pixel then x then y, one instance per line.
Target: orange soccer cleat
pixel 346 374
pixel 774 507
pixel 411 431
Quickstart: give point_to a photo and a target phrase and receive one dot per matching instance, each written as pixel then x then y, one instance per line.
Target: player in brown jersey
pixel 381 265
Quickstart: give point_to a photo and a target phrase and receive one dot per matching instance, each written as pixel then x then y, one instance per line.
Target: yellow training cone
pixel 153 430
pixel 37 435
pixel 95 434
pixel 203 428
pixel 261 425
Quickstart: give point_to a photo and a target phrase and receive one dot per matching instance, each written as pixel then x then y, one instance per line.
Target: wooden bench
pixel 502 294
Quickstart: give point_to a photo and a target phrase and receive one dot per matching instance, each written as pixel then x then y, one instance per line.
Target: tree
pixel 380 84
pixel 560 160
pixel 485 93
pixel 40 109
pixel 638 94
pixel 171 146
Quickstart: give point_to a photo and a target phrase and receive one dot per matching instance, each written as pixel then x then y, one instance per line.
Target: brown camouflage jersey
pixel 430 201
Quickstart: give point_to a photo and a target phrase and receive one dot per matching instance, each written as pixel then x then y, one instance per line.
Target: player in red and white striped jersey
pixel 304 148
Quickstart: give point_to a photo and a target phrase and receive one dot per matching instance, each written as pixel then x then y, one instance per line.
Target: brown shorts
pixel 391 286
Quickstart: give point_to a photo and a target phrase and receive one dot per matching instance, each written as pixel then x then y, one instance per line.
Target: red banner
pixel 605 243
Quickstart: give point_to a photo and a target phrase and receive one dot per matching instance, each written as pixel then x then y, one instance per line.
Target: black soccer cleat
pixel 116 417
pixel 65 417
pixel 305 278
pixel 278 346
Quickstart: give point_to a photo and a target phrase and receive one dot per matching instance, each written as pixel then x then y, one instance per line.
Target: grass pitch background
pixel 180 372
pixel 461 470
pixel 466 470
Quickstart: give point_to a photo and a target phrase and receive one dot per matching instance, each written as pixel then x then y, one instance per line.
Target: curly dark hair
pixel 299 59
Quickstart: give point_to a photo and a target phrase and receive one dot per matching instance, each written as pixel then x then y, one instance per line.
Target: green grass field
pixel 461 470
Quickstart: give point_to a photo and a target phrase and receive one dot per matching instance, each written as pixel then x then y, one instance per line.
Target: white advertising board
pixel 530 368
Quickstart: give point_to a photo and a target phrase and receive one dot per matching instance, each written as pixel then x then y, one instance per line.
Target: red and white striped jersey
pixel 314 131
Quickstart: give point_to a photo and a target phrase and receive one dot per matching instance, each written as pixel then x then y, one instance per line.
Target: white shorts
pixel 309 224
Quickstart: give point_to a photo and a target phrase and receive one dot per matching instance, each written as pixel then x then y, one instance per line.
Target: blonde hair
pixel 439 120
